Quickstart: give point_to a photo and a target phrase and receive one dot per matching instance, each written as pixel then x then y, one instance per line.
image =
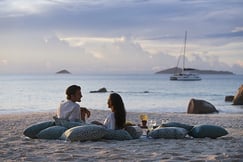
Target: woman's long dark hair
pixel 119 110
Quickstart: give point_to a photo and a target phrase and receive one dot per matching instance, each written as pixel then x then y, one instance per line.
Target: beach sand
pixel 14 146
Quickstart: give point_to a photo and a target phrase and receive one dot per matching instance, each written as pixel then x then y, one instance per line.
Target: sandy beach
pixel 16 147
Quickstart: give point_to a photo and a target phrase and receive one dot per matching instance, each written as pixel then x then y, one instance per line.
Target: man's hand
pixel 84 112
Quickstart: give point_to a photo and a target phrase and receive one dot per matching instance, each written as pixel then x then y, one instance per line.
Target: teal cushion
pixel 53 132
pixel 168 133
pixel 117 135
pixel 212 131
pixel 34 129
pixel 135 131
pixel 177 124
pixel 84 133
pixel 67 124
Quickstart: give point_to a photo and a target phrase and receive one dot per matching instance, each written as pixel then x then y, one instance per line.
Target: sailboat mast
pixel 184 53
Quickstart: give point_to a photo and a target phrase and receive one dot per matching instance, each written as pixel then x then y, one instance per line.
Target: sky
pixel 119 36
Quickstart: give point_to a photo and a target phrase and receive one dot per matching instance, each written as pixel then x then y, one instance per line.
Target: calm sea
pixel 141 93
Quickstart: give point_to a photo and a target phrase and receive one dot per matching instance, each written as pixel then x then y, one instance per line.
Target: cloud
pixel 237 29
pixel 113 55
pixel 120 36
pixel 4 62
pixel 17 8
pixel 130 55
pixel 240 63
pixel 80 41
pixel 104 55
pixel 114 18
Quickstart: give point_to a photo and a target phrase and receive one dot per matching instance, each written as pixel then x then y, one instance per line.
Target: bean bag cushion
pixel 84 133
pixel 65 123
pixel 119 135
pixel 53 132
pixel 212 131
pixel 168 133
pixel 135 131
pixel 177 124
pixel 34 129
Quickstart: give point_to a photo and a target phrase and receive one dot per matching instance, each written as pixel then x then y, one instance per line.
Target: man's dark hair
pixel 71 90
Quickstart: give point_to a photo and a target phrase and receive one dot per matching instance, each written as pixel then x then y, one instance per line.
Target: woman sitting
pixel 117 118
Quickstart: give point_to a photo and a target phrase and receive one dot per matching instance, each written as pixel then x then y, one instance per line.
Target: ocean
pixel 140 93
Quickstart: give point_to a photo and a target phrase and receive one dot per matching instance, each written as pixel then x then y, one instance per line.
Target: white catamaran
pixel 186 74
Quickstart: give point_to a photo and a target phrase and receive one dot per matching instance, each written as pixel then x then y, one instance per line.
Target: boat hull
pixel 185 77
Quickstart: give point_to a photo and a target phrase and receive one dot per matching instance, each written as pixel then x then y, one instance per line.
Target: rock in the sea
pixel 228 98
pixel 196 106
pixel 63 72
pixel 101 90
pixel 238 98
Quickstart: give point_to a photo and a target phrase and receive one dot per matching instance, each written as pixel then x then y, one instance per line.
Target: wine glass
pixel 164 121
pixel 154 123
pixel 151 124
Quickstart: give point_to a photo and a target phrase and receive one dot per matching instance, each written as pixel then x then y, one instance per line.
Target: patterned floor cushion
pixel 177 124
pixel 117 135
pixel 135 131
pixel 84 133
pixel 34 129
pixel 168 133
pixel 211 131
pixel 53 132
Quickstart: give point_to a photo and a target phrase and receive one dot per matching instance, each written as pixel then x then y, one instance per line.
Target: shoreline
pixel 16 147
pixel 239 107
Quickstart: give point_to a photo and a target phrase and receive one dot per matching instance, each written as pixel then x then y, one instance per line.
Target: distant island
pixel 176 69
pixel 63 72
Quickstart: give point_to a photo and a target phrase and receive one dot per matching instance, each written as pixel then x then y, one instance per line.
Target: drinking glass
pixel 151 124
pixel 164 121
